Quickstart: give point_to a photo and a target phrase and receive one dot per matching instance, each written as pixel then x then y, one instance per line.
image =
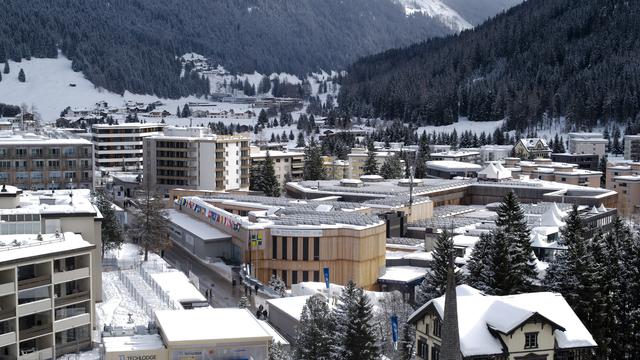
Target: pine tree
pixel 316 330
pixel 6 68
pixel 435 281
pixel 269 182
pixel 313 169
pixel 243 303
pixel 150 227
pixel 300 143
pixel 570 273
pixel 370 165
pixel 512 223
pixel 186 111
pixel 392 167
pixel 263 118
pixel 355 336
pixel 111 230
pixel 479 274
pixel 277 285
pixel 21 76
pixel 0 76
pixel 178 111
pixel 278 352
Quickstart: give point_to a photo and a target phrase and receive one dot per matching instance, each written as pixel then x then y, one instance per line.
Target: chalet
pixel 530 148
pixel 532 326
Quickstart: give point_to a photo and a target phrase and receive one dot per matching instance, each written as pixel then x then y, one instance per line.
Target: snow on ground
pixel 48 88
pixel 463 125
pixel 118 304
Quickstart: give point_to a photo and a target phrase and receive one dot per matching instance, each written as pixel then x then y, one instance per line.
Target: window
pixel 305 249
pixel 437 328
pixel 294 277
pixel 316 249
pixel 316 276
pixel 284 276
pixel 36 151
pixel 274 247
pixel 294 248
pixel 435 353
pixel 531 340
pixel 305 276
pixel 284 248
pixel 423 348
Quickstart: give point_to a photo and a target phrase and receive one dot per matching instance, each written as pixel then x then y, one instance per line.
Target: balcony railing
pixel 72 298
pixel 35 331
pixel 34 282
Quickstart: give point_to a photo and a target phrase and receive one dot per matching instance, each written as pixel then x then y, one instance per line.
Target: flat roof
pixel 24 246
pixel 291 305
pixel 210 325
pixel 452 165
pixel 177 286
pixel 132 343
pixel 195 226
pixel 404 274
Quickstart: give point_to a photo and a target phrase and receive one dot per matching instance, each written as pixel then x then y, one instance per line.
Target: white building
pixel 495 152
pixel 587 143
pixel 194 158
pixel 120 147
pixel 632 147
pixel 284 162
pixel 446 169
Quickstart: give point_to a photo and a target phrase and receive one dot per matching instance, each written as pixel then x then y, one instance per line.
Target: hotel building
pixel 120 147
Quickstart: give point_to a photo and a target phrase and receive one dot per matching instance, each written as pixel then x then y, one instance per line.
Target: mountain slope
pixel 132 44
pixel 540 59
pixel 477 11
pixel 438 10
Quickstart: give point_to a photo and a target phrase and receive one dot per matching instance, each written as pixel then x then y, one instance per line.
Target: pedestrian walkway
pixel 142 292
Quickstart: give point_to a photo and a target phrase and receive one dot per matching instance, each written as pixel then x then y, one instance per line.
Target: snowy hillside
pixel 49 87
pixel 438 10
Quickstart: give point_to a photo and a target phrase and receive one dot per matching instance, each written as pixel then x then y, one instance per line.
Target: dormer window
pixel 531 340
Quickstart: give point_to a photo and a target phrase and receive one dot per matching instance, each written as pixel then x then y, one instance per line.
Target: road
pixel 224 295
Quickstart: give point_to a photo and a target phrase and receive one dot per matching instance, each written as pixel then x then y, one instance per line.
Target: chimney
pixel 450 349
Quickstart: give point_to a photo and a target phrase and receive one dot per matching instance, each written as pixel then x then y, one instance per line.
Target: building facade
pixel 39 162
pixel 587 143
pixel 539 326
pixel 284 162
pixel 548 170
pixel 45 295
pixel 358 157
pixel 531 148
pixel 119 147
pixel 193 158
pixel 632 147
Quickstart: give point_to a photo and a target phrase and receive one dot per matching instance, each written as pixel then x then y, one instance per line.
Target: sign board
pixel 326 276
pixel 292 232
pixel 394 329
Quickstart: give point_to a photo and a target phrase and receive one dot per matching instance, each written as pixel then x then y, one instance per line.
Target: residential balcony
pixel 7 314
pixel 34 354
pixel 72 347
pixel 72 322
pixel 72 298
pixel 65 276
pixel 35 331
pixel 34 307
pixel 34 282
pixel 8 338
pixel 7 288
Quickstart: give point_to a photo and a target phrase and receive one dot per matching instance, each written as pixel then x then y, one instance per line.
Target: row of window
pixel 66 151
pixel 282 244
pixel 39 176
pixel 6 164
pixel 297 276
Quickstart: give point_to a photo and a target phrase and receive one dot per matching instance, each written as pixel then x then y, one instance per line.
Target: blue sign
pixel 326 276
pixel 394 328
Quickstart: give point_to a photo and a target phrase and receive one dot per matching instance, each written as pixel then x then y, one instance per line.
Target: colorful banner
pixel 213 216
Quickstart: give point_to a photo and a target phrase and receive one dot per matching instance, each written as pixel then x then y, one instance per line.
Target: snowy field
pixel 464 125
pixel 48 89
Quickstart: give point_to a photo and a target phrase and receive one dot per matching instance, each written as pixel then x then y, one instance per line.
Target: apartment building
pixel 546 169
pixel 194 158
pixel 632 147
pixel 358 157
pixel 49 212
pixel 587 143
pixel 284 162
pixel 119 147
pixel 54 160
pixel 46 296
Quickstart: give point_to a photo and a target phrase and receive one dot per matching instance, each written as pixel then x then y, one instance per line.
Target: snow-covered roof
pixel 495 171
pixel 195 226
pixel 177 286
pixel 479 314
pixel 279 339
pixel 21 246
pixel 549 218
pixel 291 305
pixel 452 165
pixel 530 143
pixel 403 274
pixel 210 325
pixel 132 343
